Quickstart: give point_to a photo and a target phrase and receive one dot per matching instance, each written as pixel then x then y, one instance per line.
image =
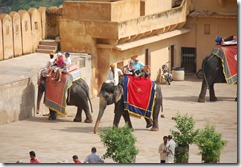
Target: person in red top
pixel 76 159
pixel 33 158
pixel 58 63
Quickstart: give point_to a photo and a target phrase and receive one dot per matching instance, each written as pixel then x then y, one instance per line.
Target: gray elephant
pixel 79 97
pixel 117 99
pixel 213 73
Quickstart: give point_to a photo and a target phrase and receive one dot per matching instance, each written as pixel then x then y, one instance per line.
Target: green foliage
pixel 210 143
pixel 120 143
pixel 16 5
pixel 184 136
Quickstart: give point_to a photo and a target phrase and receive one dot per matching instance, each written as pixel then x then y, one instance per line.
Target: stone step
pixel 45 51
pixel 50 47
pixel 48 42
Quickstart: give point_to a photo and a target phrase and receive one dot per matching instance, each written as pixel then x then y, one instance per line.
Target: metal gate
pixel 189 59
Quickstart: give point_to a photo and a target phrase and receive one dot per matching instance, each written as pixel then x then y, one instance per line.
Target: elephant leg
pixel 88 115
pixel 202 94
pixel 156 111
pixel 52 115
pixel 127 119
pixel 117 118
pixel 149 123
pixel 212 93
pixel 78 116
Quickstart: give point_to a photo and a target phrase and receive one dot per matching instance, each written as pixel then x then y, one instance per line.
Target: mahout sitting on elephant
pixel 117 98
pixel 77 95
pixel 214 66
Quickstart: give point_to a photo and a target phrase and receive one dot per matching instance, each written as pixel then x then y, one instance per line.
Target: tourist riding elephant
pixel 213 73
pixel 117 99
pixel 78 95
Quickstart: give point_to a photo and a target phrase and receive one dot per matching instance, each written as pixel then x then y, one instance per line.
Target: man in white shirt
pixel 162 150
pixel 113 75
pixel 171 145
pixel 67 61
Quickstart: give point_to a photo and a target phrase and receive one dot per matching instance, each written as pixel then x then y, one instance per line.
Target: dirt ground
pixel 59 140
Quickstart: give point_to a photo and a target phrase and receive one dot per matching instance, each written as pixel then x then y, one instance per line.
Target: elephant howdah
pixel 219 67
pixel 75 92
pixel 120 110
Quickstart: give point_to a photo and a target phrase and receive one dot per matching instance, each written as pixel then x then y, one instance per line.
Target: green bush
pixel 120 143
pixel 210 143
pixel 183 137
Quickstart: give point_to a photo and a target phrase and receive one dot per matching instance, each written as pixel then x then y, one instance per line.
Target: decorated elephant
pixel 117 98
pixel 77 95
pixel 214 66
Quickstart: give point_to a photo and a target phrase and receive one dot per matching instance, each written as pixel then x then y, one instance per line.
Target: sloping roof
pixel 209 14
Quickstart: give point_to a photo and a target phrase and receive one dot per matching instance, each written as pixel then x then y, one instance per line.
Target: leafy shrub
pixel 184 136
pixel 120 143
pixel 210 143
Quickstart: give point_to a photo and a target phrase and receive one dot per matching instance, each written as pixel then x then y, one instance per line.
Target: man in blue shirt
pixel 137 64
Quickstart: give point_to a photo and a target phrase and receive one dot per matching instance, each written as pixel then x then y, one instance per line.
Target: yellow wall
pixel 155 6
pixel 204 43
pixel 227 6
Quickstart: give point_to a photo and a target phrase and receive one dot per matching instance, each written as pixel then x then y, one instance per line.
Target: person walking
pixel 33 158
pixel 93 157
pixel 162 150
pixel 170 149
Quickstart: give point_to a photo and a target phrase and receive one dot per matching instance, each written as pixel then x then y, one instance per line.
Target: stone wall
pixel 16 100
pixel 20 32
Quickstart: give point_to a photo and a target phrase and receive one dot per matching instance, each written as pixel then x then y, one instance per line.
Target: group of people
pixel 91 158
pixel 232 40
pixel 132 68
pixel 167 150
pixel 58 65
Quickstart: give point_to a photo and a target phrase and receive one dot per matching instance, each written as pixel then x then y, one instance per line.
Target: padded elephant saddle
pixel 56 92
pixel 228 56
pixel 139 95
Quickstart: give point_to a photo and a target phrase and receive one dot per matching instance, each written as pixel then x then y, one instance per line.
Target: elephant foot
pixel 88 121
pixel 77 120
pixel 213 99
pixel 148 125
pixel 200 100
pixel 162 116
pixel 52 118
pixel 154 129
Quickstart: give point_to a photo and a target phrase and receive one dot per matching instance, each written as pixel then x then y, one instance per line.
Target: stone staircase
pixel 47 46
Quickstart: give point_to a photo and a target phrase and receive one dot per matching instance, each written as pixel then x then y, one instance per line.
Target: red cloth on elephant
pixel 228 56
pixel 139 94
pixel 56 92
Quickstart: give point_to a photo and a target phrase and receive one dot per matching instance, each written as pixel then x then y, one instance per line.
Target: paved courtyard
pixel 59 140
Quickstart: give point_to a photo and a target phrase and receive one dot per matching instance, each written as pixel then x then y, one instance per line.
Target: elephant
pixel 78 94
pixel 213 73
pixel 109 98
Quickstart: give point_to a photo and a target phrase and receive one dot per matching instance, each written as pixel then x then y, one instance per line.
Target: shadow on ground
pixel 195 98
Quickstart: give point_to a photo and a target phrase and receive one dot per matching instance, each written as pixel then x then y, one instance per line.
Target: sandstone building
pixel 113 31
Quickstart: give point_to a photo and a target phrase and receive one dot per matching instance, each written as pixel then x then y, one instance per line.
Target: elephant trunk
pixel 102 107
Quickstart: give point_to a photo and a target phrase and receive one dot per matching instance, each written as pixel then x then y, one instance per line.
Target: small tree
pixel 120 143
pixel 183 137
pixel 210 144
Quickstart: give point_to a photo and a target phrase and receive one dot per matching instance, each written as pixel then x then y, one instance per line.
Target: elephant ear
pixel 118 93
